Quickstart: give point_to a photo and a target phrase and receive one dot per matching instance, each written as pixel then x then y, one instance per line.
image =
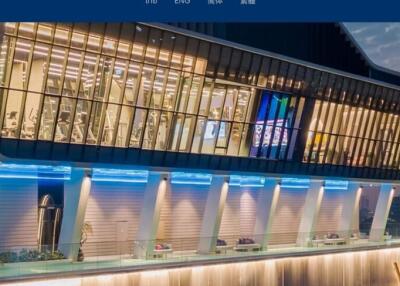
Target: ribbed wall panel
pixel 110 203
pixel 181 216
pixel 239 214
pixel 18 213
pixel 288 215
pixel 330 212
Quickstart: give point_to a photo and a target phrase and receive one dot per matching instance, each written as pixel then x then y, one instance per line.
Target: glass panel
pixel 71 74
pixel 152 46
pixel 44 33
pixel 80 121
pixel 210 136
pixel 78 40
pixel 87 76
pixel 61 37
pixel 49 113
pixel 93 43
pixel 205 99
pixel 5 50
pixel 124 121
pixel 109 47
pixel 103 80
pixel 230 103
pixel 151 129
pixel 170 90
pixel 177 127
pixel 38 67
pixel 193 96
pixel 183 92
pixel 56 71
pixel 123 50
pixel 189 59
pixel 13 111
pixel 132 84
pixel 167 43
pixel 30 116
pixel 223 136
pixel 145 86
pixel 110 124
pixel 234 140
pixel 158 89
pixel 187 132
pixel 117 81
pixel 64 120
pixel 27 30
pixel 139 43
pixel 163 130
pixel 137 128
pixel 201 61
pixel 217 101
pixel 179 49
pixel 198 135
pixel 20 65
pixel 242 105
pixel 97 113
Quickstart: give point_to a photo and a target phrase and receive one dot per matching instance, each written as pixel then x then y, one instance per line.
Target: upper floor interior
pixel 158 88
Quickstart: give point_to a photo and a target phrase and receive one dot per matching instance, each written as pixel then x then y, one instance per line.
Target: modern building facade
pixel 148 133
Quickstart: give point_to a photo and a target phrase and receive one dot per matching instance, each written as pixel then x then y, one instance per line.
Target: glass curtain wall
pixel 138 86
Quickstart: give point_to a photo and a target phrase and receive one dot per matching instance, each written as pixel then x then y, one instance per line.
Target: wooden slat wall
pixel 288 215
pixel 182 215
pixel 18 213
pixel 110 203
pixel 239 214
pixel 330 212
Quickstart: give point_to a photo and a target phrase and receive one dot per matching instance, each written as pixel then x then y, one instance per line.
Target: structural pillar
pixel 154 194
pixel 265 211
pixel 310 213
pixel 213 214
pixel 350 207
pixel 76 196
pixel 381 212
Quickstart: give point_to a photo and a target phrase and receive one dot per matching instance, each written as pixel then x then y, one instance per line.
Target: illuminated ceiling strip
pixel 246 181
pixel 190 178
pixel 20 171
pixel 295 183
pixel 119 175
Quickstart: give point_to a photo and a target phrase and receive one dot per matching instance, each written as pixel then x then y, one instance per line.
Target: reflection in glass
pixel 47 123
pixel 64 120
pixel 29 121
pixel 137 129
pixel 81 121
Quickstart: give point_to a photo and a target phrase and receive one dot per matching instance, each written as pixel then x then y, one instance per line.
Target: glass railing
pixel 30 260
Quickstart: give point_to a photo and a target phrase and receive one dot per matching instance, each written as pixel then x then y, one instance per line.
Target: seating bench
pixel 247 247
pixel 222 248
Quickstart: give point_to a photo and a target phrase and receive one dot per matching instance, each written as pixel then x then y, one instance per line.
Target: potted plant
pixel 85 231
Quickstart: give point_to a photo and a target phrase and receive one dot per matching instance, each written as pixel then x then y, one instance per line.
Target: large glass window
pixel 143 87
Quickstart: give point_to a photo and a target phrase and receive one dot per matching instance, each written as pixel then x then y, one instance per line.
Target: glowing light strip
pixel 246 181
pixel 120 175
pixel 336 185
pixel 295 183
pixel 190 178
pixel 21 171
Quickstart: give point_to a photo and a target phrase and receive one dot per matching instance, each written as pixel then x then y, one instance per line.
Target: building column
pixel 265 211
pixel 154 194
pixel 76 196
pixel 382 209
pixel 350 207
pixel 213 214
pixel 310 213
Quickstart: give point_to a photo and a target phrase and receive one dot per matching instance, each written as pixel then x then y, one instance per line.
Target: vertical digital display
pixel 272 121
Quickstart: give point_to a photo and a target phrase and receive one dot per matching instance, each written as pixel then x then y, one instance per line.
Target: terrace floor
pixel 10 272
